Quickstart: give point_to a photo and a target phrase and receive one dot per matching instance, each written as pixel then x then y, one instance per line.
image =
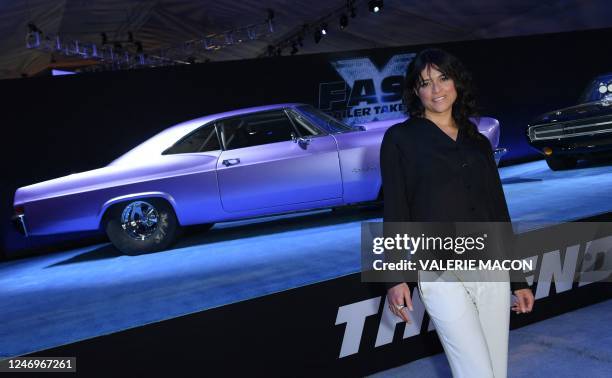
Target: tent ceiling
pixel 164 23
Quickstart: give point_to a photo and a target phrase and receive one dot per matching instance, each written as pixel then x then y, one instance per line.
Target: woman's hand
pixel 399 300
pixel 524 301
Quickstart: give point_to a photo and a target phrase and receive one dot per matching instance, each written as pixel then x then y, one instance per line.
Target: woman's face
pixel 436 91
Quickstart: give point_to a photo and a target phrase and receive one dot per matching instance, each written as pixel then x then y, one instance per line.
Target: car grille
pixel 568 129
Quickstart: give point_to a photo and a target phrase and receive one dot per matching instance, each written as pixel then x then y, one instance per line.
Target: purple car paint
pixel 335 167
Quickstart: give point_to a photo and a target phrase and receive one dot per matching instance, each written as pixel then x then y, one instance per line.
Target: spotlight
pixel 324 29
pixel 375 6
pixel 343 21
pixel 318 35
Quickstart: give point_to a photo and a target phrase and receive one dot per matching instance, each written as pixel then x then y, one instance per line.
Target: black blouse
pixel 429 177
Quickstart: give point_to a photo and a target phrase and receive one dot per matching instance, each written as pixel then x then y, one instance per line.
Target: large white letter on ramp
pixel 550 270
pixel 389 321
pixel 354 316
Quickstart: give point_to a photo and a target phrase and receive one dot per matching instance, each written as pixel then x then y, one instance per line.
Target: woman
pixel 437 167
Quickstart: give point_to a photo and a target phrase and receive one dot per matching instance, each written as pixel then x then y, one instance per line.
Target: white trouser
pixel 471 319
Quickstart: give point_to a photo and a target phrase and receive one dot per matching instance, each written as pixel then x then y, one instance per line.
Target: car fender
pixel 127 197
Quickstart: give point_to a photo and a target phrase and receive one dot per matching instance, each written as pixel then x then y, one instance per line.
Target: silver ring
pixel 399 307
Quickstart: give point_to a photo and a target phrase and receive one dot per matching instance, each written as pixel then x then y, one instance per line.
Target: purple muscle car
pixel 244 163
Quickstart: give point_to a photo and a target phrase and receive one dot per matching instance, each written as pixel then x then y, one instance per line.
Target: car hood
pixel 587 110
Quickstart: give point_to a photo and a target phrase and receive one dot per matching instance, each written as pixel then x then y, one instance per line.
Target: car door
pixel 264 165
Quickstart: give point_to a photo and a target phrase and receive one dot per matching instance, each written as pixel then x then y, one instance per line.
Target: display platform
pixel 284 277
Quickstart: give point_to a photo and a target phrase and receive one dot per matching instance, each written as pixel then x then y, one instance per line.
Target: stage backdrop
pixel 61 125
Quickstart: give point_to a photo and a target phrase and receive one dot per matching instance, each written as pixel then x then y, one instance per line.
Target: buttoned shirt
pixel 429 177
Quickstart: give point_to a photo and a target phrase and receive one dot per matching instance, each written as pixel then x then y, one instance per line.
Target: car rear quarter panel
pixel 360 156
pixel 77 202
pixel 359 153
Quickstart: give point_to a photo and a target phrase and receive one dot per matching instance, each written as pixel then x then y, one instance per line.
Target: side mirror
pixel 303 142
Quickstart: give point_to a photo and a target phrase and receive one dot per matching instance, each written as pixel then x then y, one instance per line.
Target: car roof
pixel 232 113
pixel 164 139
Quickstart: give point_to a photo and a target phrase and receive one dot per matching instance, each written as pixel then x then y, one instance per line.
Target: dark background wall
pixel 55 126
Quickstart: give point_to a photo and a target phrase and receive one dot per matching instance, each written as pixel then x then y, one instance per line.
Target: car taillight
pixel 19 210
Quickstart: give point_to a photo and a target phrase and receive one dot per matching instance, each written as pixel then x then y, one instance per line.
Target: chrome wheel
pixel 140 220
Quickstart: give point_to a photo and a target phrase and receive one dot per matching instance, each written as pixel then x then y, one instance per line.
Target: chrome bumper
pixel 570 129
pixel 498 153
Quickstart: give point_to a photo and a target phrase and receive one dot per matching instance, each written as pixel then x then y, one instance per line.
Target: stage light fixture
pixel 318 35
pixel 324 29
pixel 375 6
pixel 343 21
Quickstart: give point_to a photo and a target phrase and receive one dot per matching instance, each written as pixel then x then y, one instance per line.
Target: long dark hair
pixel 465 104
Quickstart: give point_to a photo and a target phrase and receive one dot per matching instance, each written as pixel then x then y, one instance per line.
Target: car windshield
pixel 599 88
pixel 324 121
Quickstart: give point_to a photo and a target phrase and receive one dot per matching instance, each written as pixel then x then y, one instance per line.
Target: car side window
pixel 256 129
pixel 304 127
pixel 202 140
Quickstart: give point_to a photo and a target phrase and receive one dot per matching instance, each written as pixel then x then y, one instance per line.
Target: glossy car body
pixel 579 131
pixel 244 168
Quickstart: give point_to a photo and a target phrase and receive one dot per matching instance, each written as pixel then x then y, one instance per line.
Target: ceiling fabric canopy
pixel 167 23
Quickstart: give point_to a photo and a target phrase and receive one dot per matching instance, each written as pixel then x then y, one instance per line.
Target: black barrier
pixel 340 327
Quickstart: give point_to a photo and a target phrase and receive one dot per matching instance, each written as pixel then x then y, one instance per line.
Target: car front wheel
pixel 558 163
pixel 141 226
